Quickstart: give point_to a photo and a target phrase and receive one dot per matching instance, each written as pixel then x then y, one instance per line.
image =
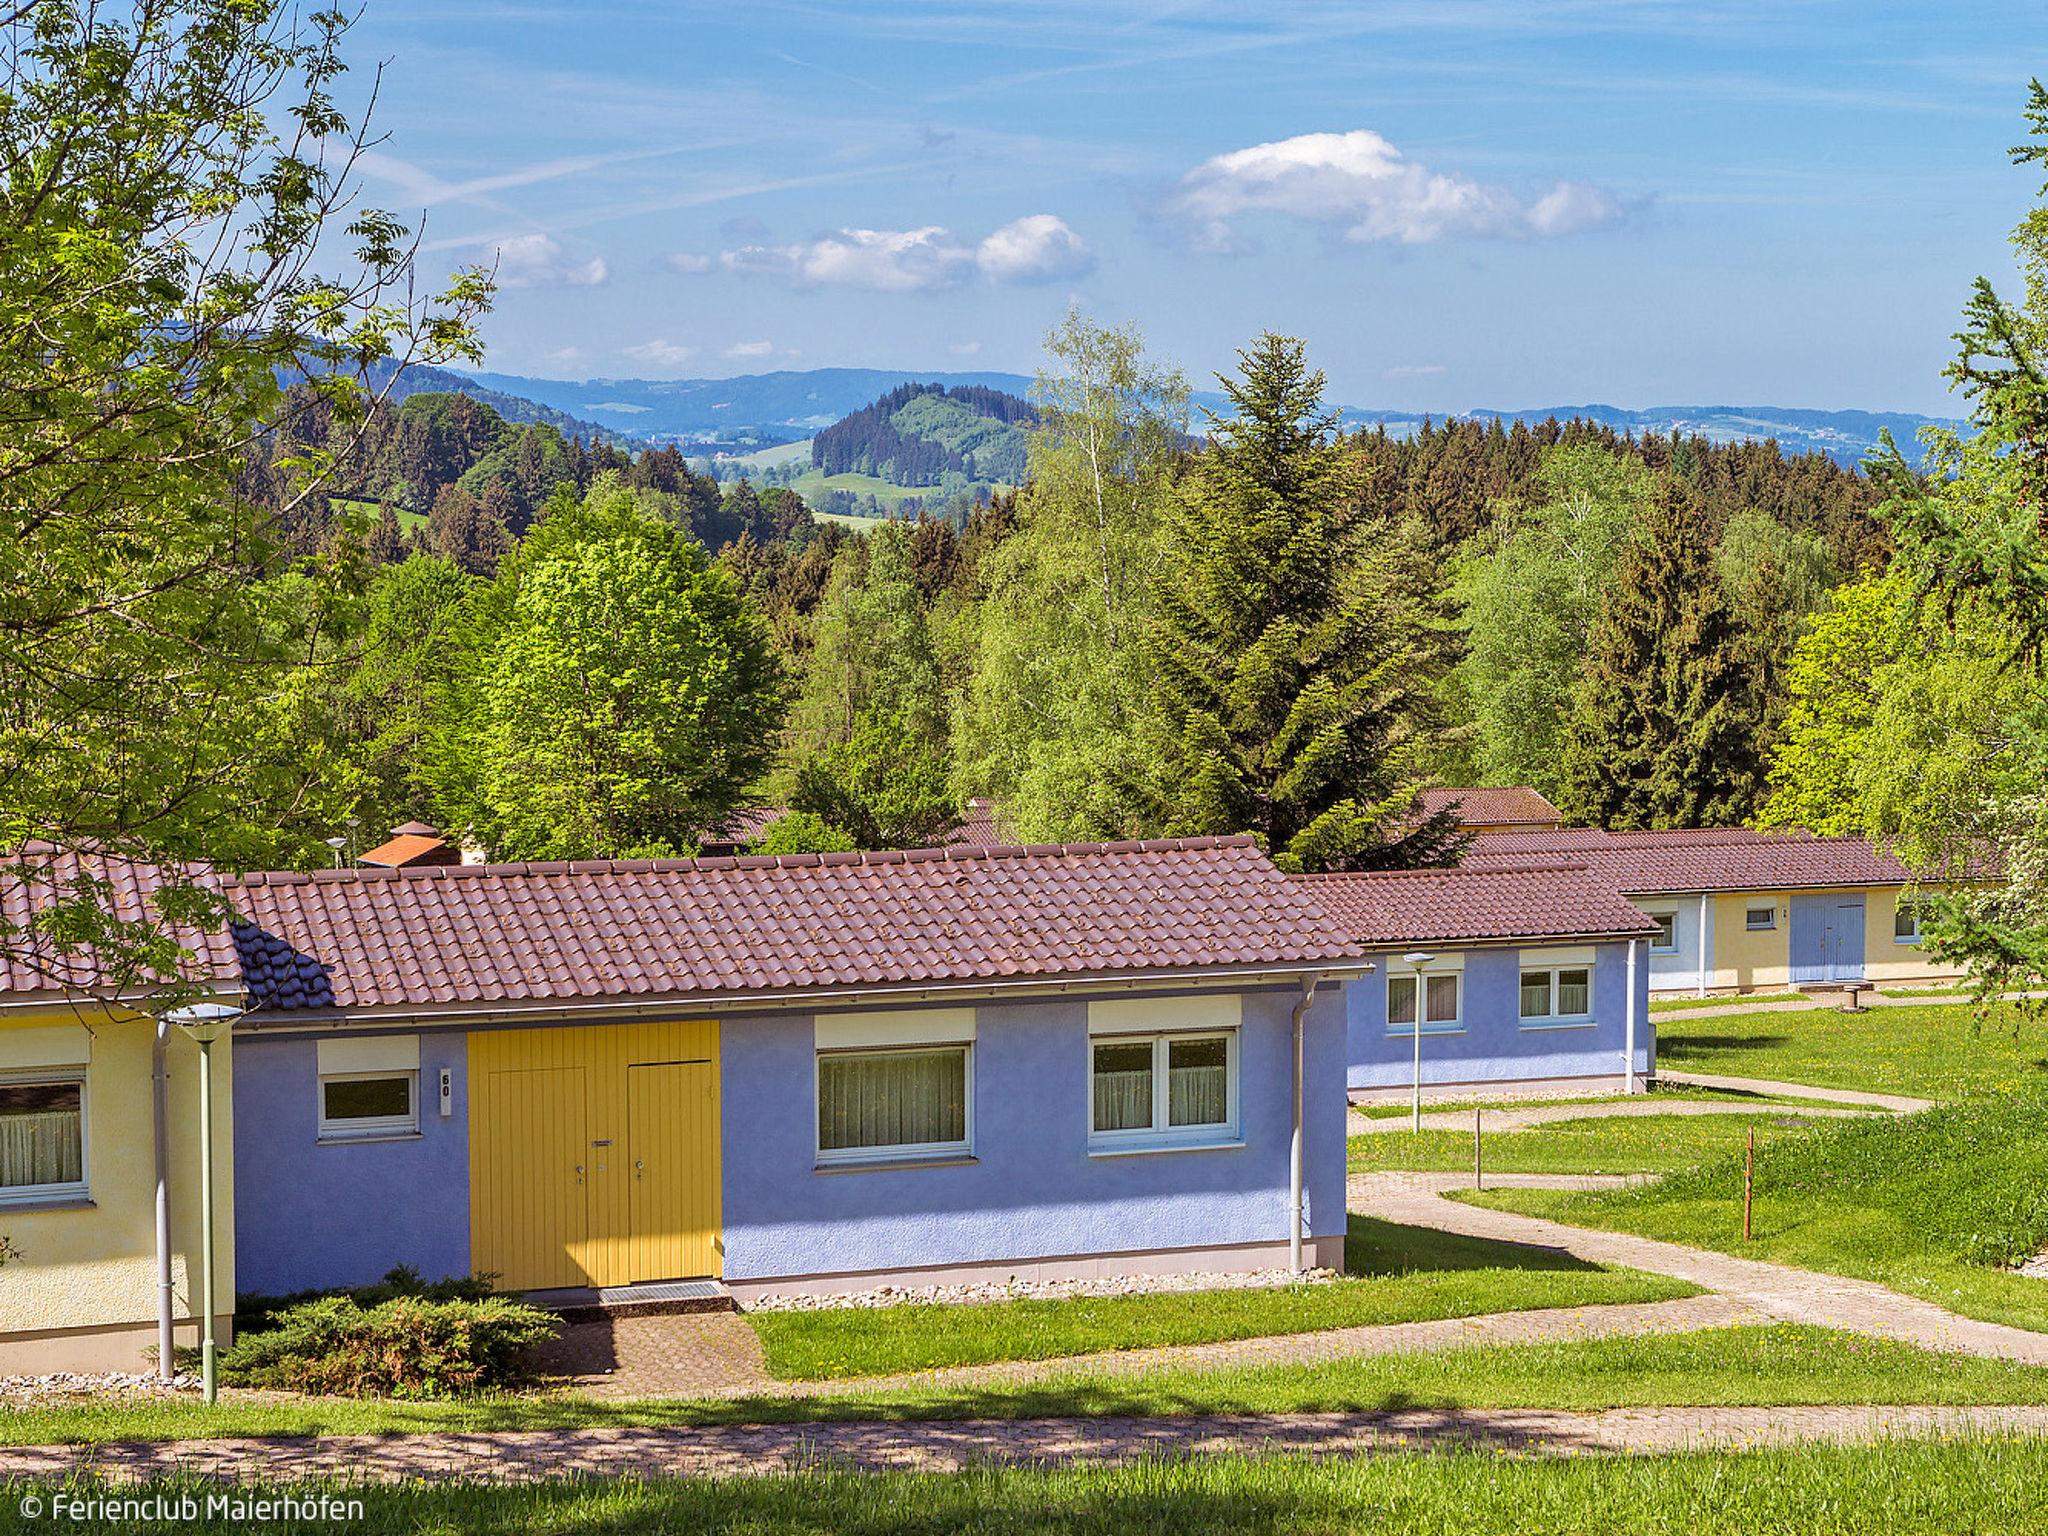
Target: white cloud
pixel 687 261
pixel 1359 181
pixel 1414 371
pixel 1038 248
pixel 663 354
pixel 880 260
pixel 565 355
pixel 538 261
pixel 750 349
pixel 964 348
pixel 1034 249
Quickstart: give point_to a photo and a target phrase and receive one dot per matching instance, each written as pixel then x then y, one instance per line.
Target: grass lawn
pixel 1759 1366
pixel 1974 1484
pixel 1394 1274
pixel 1938 1051
pixel 1664 1005
pixel 1935 1204
pixel 1672 1093
pixel 1610 1144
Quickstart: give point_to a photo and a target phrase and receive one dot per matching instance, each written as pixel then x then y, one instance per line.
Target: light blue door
pixel 1827 938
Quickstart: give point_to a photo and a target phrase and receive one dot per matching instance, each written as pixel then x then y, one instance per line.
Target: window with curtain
pixel 1441 1002
pixel 1173 1088
pixel 1562 995
pixel 892 1103
pixel 1666 941
pixel 42 1139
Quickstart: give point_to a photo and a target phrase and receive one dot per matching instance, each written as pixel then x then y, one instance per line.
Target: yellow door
pixel 558 1119
pixel 672 1139
pixel 532 1212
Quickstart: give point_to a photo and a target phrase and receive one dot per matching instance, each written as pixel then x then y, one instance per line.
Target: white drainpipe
pixel 1628 1048
pixel 166 1302
pixel 1294 1186
pixel 1705 914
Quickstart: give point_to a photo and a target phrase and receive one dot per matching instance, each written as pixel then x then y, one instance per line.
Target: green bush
pixel 407 1346
pixel 255 1312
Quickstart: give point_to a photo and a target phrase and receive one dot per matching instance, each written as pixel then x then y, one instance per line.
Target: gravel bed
pixel 1041 1290
pixel 75 1384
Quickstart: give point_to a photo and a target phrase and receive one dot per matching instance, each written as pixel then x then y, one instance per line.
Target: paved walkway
pixel 1855 1096
pixel 1774 1290
pixel 736 1451
pixel 1508 1118
pixel 695 1354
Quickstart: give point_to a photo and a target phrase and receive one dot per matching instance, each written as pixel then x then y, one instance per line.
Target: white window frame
pixel 1658 915
pixel 72 1192
pixel 376 1128
pixel 1556 962
pixel 1160 1136
pixel 1901 907
pixel 1769 924
pixel 1452 966
pixel 896 1152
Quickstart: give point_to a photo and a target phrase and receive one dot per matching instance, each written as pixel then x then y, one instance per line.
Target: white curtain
pixel 41 1148
pixel 892 1099
pixel 1574 993
pixel 1535 994
pixel 1123 1087
pixel 1197 1082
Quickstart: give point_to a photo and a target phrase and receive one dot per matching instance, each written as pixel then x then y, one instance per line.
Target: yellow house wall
pixel 1746 961
pixel 1887 960
pixel 94 1266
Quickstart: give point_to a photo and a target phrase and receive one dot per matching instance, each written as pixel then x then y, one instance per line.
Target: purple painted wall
pixel 1033 1191
pixel 1492 1046
pixel 310 1215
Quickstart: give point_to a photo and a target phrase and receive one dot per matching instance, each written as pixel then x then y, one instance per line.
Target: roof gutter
pixel 560 1010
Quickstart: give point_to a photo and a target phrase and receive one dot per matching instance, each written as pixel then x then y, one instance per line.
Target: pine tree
pixel 1666 730
pixel 387 541
pixel 1298 643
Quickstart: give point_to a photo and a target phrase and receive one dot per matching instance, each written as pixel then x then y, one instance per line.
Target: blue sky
pixel 1458 203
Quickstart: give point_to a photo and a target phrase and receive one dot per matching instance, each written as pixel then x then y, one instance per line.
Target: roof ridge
pixel 951 853
pixel 1527 866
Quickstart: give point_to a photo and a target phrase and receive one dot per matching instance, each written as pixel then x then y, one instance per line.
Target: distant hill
pixel 919 434
pixel 421 379
pixel 765 408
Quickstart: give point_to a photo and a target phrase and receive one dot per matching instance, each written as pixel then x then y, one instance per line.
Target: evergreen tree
pixel 1667 725
pixel 1298 644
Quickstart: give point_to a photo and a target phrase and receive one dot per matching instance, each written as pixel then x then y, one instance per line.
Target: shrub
pixel 255 1312
pixel 407 1346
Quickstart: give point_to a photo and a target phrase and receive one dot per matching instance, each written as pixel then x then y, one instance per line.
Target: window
pixel 887 1105
pixel 1557 988
pixel 1757 919
pixel 42 1139
pixel 1666 941
pixel 1440 1005
pixel 1163 1090
pixel 1906 922
pixel 362 1106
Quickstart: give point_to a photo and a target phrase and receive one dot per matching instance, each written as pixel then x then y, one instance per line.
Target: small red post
pixel 1748 1180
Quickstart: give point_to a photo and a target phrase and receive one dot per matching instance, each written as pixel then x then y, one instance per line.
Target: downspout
pixel 1294 1184
pixel 1706 916
pixel 160 1096
pixel 1628 1048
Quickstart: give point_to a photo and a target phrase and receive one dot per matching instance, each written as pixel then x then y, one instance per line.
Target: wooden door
pixel 672 1152
pixel 530 1208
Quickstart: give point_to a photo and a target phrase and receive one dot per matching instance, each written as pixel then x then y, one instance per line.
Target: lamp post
pixel 1419 959
pixel 206 1023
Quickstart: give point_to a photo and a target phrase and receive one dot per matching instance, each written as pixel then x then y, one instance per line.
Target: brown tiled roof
pixel 1689 861
pixel 35 877
pixel 978 828
pixel 367 939
pixel 1508 805
pixel 1532 899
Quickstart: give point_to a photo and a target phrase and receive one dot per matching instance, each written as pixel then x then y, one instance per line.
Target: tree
pixel 1056 686
pixel 166 177
pixel 1665 729
pixel 869 736
pixel 1529 604
pixel 801 832
pixel 620 695
pixel 1298 645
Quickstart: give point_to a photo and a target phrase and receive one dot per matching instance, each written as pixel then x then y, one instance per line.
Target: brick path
pixel 1857 1096
pixel 695 1354
pixel 526 1456
pixel 1775 1290
pixel 1508 1118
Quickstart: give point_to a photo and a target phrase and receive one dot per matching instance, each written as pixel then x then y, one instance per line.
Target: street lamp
pixel 206 1023
pixel 1419 960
